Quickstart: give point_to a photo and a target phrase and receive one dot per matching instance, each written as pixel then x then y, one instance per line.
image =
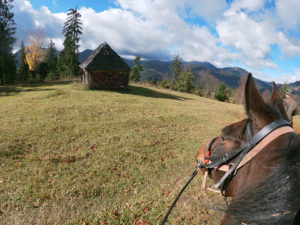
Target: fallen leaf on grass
pixel 70 159
pixel 158 217
pixel 35 205
pixel 116 213
pixel 166 193
pixel 93 147
pixel 143 222
pixel 145 210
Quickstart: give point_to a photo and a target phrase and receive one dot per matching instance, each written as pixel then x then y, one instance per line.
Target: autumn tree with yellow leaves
pixel 34 52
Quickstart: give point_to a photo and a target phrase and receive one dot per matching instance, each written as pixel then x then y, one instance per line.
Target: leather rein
pixel 238 157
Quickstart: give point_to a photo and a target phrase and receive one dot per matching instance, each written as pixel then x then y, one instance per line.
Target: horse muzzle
pixel 204 152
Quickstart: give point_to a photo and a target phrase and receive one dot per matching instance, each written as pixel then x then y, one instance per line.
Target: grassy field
pixel 75 156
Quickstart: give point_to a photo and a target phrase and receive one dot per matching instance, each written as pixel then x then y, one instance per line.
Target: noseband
pixel 208 151
pixel 239 157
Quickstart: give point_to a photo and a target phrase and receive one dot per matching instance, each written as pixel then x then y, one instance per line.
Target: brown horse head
pixel 266 190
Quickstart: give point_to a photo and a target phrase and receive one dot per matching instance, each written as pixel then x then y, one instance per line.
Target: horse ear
pixel 253 100
pixel 275 92
pixel 276 100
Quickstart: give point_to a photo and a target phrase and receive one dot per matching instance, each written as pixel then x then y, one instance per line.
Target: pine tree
pixel 67 64
pixel 184 80
pixel 7 31
pixel 23 68
pixel 175 69
pixel 51 61
pixel 73 27
pixel 135 73
pixel 42 70
pixel 222 93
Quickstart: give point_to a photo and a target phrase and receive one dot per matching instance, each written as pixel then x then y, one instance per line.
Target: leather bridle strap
pixel 271 137
pixel 254 140
pixel 243 150
pixel 217 161
pixel 266 130
pixel 233 167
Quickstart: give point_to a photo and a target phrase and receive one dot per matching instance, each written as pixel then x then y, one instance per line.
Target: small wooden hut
pixel 105 69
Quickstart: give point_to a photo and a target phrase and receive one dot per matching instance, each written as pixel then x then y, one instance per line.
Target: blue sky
pixel 56 6
pixel 262 36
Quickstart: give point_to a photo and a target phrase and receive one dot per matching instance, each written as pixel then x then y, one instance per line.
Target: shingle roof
pixel 104 58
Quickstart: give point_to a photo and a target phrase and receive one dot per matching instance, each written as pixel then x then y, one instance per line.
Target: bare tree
pixel 238 93
pixel 209 83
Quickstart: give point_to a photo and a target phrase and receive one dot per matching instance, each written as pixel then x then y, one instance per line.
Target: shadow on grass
pixel 146 92
pixel 11 91
pixel 44 83
pixel 14 89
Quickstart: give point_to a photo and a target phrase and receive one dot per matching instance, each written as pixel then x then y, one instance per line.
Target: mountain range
pixel 158 70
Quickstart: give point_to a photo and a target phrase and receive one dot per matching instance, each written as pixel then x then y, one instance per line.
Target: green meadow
pixel 75 156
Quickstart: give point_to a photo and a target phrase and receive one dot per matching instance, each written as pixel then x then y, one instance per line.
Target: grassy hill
pixel 75 156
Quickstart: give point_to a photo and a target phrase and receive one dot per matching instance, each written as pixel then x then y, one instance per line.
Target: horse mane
pixel 273 207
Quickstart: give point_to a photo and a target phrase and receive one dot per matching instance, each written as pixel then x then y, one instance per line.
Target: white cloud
pixel 253 35
pixel 123 30
pixel 251 38
pixel 210 10
pixel 288 13
pixel 29 19
pixel 288 47
pixel 249 5
pixel 154 27
pixel 290 78
pixel 241 32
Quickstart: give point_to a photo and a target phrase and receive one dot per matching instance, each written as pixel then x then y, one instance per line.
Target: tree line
pixel 180 78
pixel 34 62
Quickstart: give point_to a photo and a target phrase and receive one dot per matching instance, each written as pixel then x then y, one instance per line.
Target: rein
pixel 241 156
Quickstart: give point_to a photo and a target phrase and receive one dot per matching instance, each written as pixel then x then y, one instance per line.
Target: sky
pixel 261 36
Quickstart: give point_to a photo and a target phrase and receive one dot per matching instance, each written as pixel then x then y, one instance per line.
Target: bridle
pixel 238 157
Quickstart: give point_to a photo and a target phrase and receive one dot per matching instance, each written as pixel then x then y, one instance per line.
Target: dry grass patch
pixel 70 155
